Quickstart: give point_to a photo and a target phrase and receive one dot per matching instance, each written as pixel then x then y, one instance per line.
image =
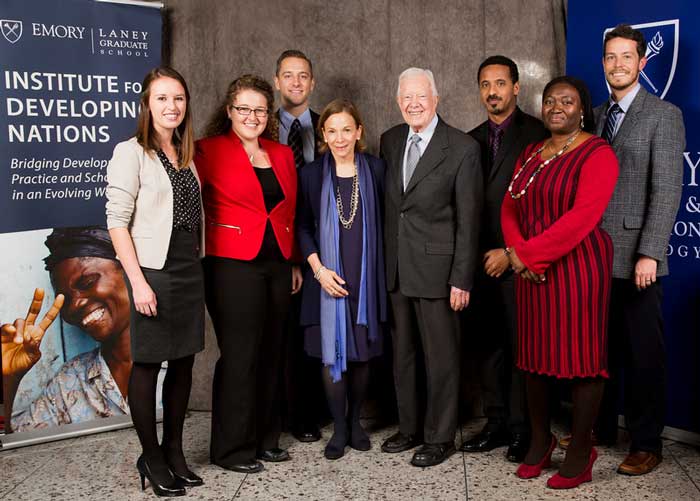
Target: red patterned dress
pixel 555 230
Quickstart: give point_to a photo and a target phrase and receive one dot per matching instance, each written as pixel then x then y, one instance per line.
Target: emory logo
pixel 11 29
pixel 662 55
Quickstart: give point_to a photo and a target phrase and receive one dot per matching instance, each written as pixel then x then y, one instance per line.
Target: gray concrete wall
pixel 358 49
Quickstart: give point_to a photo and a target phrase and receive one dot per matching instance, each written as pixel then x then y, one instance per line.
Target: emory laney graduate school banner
pixel 672 73
pixel 70 80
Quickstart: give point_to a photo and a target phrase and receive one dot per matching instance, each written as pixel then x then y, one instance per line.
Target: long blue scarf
pixel 335 311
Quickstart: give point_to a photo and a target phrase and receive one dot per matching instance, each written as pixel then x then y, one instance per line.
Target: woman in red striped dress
pixel 550 217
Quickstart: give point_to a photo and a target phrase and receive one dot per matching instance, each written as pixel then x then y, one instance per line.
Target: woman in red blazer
pixel 249 188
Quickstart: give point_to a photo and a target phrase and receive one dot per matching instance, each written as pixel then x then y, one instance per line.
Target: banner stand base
pixel 36 437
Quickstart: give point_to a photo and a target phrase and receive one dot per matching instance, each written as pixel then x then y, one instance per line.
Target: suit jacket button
pixel 401 215
pixel 287 228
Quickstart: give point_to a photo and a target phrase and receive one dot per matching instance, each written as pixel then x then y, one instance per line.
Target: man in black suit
pixel 491 319
pixel 433 203
pixel 294 79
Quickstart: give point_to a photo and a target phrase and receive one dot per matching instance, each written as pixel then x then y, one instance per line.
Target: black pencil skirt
pixel 178 328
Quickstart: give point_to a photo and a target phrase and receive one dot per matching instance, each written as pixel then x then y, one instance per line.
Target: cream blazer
pixel 140 198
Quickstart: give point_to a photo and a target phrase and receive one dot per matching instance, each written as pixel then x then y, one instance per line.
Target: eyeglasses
pixel 245 111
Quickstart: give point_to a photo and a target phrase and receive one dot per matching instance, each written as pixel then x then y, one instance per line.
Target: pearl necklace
pixel 354 197
pixel 539 168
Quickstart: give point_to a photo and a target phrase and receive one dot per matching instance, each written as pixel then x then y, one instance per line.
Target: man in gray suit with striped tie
pixel 648 137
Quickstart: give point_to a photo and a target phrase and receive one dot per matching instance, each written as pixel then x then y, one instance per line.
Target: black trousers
pixel 304 397
pixel 425 334
pixel 491 323
pixel 637 362
pixel 248 302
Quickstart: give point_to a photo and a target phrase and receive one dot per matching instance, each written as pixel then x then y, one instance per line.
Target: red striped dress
pixel 555 230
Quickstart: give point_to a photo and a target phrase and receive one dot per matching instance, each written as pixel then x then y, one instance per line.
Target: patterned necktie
pixel 295 143
pixel 496 144
pixel 611 122
pixel 412 159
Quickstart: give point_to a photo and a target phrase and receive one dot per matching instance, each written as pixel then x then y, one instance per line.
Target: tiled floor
pixel 101 467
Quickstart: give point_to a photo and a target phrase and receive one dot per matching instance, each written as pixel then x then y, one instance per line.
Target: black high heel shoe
pixel 189 479
pixel 171 489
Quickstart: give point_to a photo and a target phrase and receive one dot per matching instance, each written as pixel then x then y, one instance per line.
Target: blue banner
pixel 672 73
pixel 71 79
pixel 70 84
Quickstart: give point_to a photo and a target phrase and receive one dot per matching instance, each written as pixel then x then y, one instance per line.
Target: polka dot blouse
pixel 186 205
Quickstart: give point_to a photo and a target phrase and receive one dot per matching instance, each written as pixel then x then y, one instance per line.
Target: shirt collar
pixel 493 126
pixel 287 118
pixel 626 101
pixel 427 133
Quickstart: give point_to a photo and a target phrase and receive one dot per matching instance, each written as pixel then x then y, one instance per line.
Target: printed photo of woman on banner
pixel 90 294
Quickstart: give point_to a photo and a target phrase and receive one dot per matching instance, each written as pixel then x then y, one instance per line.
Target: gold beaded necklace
pixel 539 168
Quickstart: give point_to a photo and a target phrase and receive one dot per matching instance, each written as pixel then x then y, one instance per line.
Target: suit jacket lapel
pixel 278 167
pixel 398 149
pixel 481 134
pixel 630 121
pixel 433 155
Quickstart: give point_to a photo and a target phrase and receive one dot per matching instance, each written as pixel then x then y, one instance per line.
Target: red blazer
pixel 234 207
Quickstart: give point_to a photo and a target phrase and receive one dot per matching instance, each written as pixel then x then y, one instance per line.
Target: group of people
pixel 544 238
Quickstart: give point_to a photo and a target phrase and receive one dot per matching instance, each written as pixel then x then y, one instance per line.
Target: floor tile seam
pixel 464 465
pixel 240 486
pixel 48 459
pixel 687 474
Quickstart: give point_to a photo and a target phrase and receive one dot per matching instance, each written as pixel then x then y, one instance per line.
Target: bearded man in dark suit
pixel 491 320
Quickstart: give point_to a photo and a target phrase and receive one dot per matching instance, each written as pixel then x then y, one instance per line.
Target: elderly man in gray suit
pixel 434 194
pixel 648 137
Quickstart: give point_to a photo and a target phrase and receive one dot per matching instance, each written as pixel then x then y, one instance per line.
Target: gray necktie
pixel 412 159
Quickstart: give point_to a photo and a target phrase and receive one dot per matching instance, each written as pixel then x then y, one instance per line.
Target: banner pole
pixel 141 3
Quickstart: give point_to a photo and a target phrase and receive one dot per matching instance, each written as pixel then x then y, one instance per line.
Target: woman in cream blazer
pixel 154 214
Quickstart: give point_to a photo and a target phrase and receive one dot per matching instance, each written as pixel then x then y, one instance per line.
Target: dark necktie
pixel 496 144
pixel 295 143
pixel 610 122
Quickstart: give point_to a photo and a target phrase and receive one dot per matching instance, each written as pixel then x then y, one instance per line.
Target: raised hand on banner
pixel 21 340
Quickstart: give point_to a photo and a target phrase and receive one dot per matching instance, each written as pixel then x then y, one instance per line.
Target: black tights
pixel 142 402
pixel 352 388
pixel 586 394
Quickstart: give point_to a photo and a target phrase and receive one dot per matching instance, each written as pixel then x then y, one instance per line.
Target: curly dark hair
pixel 220 123
pixel 584 96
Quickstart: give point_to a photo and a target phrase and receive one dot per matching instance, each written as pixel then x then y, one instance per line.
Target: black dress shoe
pixel 252 467
pixel 485 441
pixel 432 454
pixel 307 435
pixel 517 448
pixel 275 455
pixel 399 442
pixel 189 479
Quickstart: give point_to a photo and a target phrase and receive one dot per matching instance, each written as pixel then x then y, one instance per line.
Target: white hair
pixel 414 72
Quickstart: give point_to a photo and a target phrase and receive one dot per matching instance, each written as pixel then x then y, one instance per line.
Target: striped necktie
pixel 295 143
pixel 611 122
pixel 412 159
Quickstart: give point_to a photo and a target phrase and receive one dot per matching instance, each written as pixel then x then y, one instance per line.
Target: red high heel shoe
pixel 559 482
pixel 535 470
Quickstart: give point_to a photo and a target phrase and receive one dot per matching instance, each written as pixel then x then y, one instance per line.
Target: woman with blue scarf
pixel 344 295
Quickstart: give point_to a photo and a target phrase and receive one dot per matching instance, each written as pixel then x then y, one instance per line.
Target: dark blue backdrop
pixel 71 37
pixel 671 28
